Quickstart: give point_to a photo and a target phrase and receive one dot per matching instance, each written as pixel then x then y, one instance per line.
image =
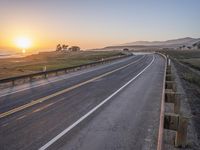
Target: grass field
pixel 184 54
pixel 52 60
pixel 192 62
pixel 188 57
pixel 191 58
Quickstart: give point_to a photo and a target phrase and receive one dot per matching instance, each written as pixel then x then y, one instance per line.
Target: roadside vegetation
pixel 190 60
pixel 187 64
pixel 10 67
pixel 194 63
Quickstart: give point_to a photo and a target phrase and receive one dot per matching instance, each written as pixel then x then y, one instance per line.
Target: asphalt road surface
pixel 115 106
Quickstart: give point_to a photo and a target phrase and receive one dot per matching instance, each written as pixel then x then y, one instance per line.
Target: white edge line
pixel 55 80
pixel 91 111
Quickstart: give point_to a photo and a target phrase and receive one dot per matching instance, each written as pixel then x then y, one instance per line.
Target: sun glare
pixel 23 43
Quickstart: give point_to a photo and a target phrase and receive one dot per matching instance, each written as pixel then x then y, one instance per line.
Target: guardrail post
pixel 172 97
pixel 168 62
pixel 31 78
pixel 181 134
pixel 177 103
pixel 169 77
pixel 171 121
pixel 13 82
pixel 179 124
pixel 168 71
pixel 45 75
pixel 171 85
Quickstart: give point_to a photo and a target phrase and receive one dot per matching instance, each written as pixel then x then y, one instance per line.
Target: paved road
pixel 114 106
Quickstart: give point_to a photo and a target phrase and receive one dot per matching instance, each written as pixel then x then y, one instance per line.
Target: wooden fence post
pixel 181 134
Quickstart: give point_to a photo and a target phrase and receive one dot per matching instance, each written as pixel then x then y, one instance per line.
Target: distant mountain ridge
pixel 188 41
pixel 181 43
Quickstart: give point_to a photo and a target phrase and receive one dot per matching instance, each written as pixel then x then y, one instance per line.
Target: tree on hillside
pixel 196 45
pixel 58 48
pixel 64 47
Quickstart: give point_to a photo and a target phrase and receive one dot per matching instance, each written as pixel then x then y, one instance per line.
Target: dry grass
pixel 191 58
pixel 184 54
pixel 193 62
pixel 52 60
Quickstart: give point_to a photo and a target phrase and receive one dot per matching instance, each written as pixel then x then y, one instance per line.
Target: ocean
pixel 4 54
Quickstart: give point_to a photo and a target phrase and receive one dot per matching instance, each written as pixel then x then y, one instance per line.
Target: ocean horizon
pixel 8 54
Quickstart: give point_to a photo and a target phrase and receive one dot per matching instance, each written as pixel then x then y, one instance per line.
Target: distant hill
pixel 144 45
pixel 197 45
pixel 188 41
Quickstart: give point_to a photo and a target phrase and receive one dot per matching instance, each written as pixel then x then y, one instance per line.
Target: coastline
pixel 3 56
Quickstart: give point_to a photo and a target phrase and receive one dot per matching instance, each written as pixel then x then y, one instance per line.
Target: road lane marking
pixel 34 102
pixel 46 106
pixel 93 110
pixel 21 117
pixel 56 80
pixel 4 125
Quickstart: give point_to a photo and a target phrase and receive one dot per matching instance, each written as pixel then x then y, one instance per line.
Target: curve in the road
pixel 34 102
pixel 93 110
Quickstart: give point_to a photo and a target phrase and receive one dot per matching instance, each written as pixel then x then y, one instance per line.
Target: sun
pixel 23 43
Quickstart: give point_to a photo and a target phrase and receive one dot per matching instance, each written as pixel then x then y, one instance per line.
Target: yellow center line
pixel 46 106
pixel 62 91
pixel 21 117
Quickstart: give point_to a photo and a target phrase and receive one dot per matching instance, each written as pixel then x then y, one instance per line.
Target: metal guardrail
pixel 175 120
pixel 56 71
pixel 162 110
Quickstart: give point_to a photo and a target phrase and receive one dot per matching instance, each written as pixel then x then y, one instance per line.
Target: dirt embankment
pixel 190 81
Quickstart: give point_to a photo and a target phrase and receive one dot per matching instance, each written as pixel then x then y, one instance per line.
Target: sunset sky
pixel 96 23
